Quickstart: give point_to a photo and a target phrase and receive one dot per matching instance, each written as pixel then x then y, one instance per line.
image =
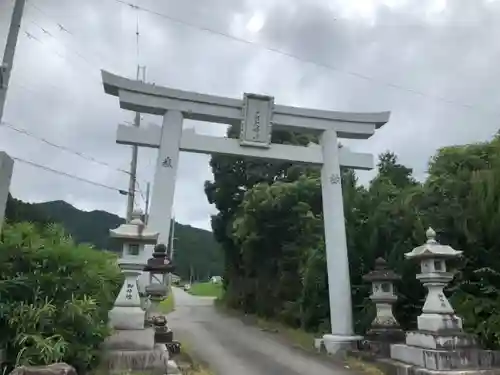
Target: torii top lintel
pixel 149 98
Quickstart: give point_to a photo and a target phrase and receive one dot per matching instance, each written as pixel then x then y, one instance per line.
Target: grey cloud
pixel 449 54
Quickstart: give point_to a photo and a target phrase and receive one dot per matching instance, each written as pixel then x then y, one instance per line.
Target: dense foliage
pixel 197 253
pixel 270 227
pixel 54 296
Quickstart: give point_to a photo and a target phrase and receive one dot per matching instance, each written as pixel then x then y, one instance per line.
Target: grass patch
pixel 206 290
pixel 168 304
pixel 297 337
pixel 294 336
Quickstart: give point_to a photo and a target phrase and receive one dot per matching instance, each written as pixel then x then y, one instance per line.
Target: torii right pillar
pixel 339 285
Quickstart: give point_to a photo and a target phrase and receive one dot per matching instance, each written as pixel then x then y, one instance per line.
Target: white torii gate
pixel 257 116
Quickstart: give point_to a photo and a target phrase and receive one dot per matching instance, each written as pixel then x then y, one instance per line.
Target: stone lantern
pixel 437 313
pixel 132 347
pixel 439 343
pixel 384 328
pixel 158 267
pixel 127 313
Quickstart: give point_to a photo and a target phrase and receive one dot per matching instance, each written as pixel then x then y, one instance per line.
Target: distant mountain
pixel 196 251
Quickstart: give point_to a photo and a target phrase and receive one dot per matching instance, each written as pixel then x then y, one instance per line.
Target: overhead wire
pixel 31 36
pixel 63 148
pixel 46 32
pixel 72 151
pixel 61 27
pixel 121 191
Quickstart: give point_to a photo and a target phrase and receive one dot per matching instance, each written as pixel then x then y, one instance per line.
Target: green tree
pixel 233 177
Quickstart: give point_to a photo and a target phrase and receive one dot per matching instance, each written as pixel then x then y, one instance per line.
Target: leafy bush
pixel 54 297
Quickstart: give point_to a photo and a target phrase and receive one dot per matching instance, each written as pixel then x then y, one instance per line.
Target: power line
pixel 46 32
pixel 301 59
pixel 72 151
pixel 140 191
pixel 94 70
pixel 60 26
pixel 63 148
pixel 121 191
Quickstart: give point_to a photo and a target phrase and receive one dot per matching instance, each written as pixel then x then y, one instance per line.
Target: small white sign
pixel 256 125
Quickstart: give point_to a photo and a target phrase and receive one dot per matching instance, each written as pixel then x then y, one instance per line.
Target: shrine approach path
pixel 231 347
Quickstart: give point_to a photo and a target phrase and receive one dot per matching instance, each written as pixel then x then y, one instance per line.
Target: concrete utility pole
pixel 172 239
pixel 133 162
pixel 146 211
pixel 10 49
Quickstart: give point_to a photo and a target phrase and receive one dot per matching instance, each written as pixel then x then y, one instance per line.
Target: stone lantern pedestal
pixel 439 343
pixel 384 329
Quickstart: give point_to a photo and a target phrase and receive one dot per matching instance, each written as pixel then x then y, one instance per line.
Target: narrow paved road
pixel 231 347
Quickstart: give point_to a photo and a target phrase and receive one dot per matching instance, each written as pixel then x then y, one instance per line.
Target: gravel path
pixel 231 347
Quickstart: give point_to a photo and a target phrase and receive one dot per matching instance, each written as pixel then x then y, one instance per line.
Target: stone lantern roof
pixel 135 230
pixel 159 263
pixel 432 249
pixel 381 272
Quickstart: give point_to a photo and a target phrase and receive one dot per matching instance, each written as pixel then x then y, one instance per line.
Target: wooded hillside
pixel 195 249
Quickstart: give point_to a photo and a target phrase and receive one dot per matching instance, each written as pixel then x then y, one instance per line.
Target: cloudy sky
pixel 433 63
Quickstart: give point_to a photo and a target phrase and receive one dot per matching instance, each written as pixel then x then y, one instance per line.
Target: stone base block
pixel 155 360
pixel 391 367
pixel 121 317
pixel 439 322
pixel 392 335
pixel 378 341
pixel 336 344
pixel 404 369
pixel 139 339
pixel 441 341
pixel 59 368
pixel 434 359
pixel 163 336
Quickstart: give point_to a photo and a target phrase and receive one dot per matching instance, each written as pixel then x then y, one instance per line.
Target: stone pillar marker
pixel 384 329
pixel 439 344
pixel 6 167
